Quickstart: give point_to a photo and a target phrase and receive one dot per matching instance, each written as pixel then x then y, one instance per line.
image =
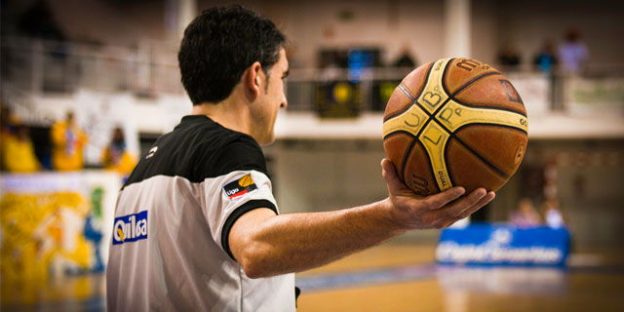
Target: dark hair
pixel 219 45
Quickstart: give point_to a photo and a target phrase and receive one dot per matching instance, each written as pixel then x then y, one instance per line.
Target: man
pixel 69 141
pixel 573 53
pixel 197 227
pixel 20 154
pixel 116 155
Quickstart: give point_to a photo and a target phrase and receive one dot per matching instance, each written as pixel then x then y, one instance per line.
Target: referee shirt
pixel 170 237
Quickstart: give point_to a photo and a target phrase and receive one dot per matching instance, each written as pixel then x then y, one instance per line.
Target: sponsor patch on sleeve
pixel 130 228
pixel 240 187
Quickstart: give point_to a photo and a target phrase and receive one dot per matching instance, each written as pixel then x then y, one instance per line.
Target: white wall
pixel 315 175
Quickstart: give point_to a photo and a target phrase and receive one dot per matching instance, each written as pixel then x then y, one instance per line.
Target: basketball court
pixel 399 276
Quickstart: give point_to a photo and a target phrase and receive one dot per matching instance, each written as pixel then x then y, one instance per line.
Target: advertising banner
pixel 503 245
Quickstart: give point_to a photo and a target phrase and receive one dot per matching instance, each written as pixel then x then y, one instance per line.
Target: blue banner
pixel 505 245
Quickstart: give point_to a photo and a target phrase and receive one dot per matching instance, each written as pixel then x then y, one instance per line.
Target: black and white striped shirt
pixel 170 238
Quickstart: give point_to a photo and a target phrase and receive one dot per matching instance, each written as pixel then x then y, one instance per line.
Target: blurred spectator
pixel 116 156
pixel 509 57
pixel 573 53
pixel 405 59
pixel 525 214
pixel 20 155
pixel 545 59
pixel 6 132
pixel 69 141
pixel 552 215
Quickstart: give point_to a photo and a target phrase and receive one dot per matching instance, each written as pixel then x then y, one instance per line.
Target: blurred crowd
pixel 570 56
pixel 526 215
pixel 67 140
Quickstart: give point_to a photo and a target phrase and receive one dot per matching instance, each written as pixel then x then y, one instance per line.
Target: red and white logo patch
pixel 240 187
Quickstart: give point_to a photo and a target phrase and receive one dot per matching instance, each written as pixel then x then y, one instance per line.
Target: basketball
pixel 455 122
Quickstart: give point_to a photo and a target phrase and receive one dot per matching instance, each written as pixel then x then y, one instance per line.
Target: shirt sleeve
pixel 243 186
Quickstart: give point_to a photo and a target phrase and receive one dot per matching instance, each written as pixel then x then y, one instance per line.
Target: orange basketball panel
pixel 414 82
pixel 467 170
pixel 492 92
pixel 396 146
pixel 503 147
pixel 461 71
pixel 418 174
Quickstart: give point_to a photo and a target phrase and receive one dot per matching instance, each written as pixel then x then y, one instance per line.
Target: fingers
pixel 474 197
pixel 488 198
pixel 388 171
pixel 443 208
pixel 465 204
pixel 463 207
pixel 442 199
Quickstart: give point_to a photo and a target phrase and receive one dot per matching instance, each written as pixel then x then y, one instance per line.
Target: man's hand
pixel 436 211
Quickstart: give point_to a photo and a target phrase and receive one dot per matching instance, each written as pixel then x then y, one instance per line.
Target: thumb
pixel 388 171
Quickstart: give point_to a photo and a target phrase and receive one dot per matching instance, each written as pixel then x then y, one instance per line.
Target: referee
pixel 196 225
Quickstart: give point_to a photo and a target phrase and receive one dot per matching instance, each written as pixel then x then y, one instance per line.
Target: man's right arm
pixel 266 244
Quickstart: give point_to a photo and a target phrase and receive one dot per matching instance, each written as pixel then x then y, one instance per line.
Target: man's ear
pixel 252 79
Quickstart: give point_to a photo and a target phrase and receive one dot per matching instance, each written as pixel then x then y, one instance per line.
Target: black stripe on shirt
pixel 197 149
pixel 236 214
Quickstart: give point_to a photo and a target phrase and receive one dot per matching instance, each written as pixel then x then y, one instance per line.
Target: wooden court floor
pixel 396 277
pixel 597 285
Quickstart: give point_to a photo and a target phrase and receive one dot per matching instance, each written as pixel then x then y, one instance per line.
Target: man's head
pixel 219 45
pixel 268 97
pixel 234 57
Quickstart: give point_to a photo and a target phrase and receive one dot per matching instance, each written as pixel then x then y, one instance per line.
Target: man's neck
pixel 229 113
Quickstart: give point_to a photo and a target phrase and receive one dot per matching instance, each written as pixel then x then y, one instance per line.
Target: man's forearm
pixel 297 242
